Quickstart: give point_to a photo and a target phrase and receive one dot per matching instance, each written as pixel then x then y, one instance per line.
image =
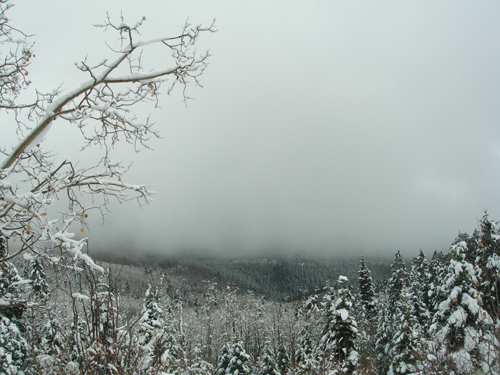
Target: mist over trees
pixel 63 312
pixel 437 316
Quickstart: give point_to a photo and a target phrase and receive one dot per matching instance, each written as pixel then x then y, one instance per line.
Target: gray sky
pixel 323 127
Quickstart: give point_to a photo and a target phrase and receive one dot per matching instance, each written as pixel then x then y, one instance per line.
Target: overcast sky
pixel 327 127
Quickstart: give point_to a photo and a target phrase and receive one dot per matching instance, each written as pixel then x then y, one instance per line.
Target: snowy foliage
pixel 13 348
pixel 339 340
pixel 267 364
pixel 234 360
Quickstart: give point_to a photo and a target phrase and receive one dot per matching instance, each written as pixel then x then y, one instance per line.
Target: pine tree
pixel 460 321
pixel 407 344
pixel 267 365
pixel 13 348
pixel 366 289
pixel 158 337
pixel 305 355
pixel 128 289
pixel 340 333
pixel 233 361
pixel 488 260
pixel 419 287
pixel 151 317
pixel 386 327
pixel 366 317
pixel 437 271
pixel 39 286
pixel 397 282
pixel 12 305
pixel 283 360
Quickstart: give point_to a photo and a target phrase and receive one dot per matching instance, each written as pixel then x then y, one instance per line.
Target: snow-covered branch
pixel 101 109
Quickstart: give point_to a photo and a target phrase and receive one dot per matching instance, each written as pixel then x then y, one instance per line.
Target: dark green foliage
pixel 267 365
pixel 39 286
pixel 488 260
pixel 14 304
pixel 437 271
pixel 340 334
pixel 233 360
pixel 283 360
pixel 388 305
pixel 14 350
pixel 419 289
pixel 366 288
pixel 460 320
pixel 397 282
pixel 3 247
pixel 13 347
pixel 407 343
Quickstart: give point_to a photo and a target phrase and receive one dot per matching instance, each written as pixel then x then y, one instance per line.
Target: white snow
pixel 344 314
pixel 80 296
pixel 458 317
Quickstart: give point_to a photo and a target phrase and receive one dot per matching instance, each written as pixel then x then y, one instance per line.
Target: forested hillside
pixel 283 278
pixel 437 316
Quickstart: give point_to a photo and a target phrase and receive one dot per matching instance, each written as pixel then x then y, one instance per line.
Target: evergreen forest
pixel 433 316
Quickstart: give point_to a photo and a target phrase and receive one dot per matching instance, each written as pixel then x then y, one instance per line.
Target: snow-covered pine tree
pixel 407 345
pixel 104 310
pixel 266 364
pixel 233 360
pixel 488 260
pixel 366 316
pixel 13 347
pixel 157 337
pixel 461 326
pixel 437 270
pixel 151 316
pixel 367 313
pixel 39 286
pixel 339 340
pixel 397 282
pixel 12 303
pixel 419 287
pixel 305 353
pixel 386 330
pixel 283 360
pixel 307 342
pixel 366 289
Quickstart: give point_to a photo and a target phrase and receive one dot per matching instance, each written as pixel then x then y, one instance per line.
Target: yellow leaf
pixel 81 230
pixel 26 73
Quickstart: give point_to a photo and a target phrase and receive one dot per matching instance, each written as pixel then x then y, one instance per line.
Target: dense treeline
pixel 437 316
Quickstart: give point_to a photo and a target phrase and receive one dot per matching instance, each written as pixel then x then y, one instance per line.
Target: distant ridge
pixel 279 278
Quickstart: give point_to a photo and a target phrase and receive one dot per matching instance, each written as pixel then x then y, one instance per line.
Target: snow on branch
pixel 102 109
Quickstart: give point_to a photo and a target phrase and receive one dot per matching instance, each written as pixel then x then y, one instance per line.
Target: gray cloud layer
pixel 323 127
